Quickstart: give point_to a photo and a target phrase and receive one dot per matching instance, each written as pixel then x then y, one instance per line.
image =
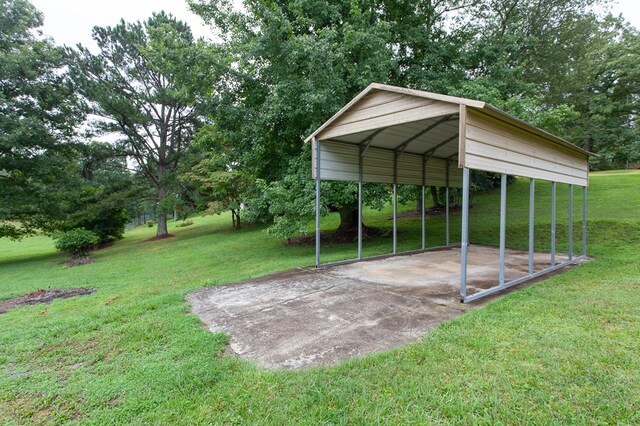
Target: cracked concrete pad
pixel 311 316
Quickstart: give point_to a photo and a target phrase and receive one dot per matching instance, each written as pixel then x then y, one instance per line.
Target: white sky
pixel 70 21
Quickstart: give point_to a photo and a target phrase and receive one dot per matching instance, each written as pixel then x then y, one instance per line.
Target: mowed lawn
pixel 566 350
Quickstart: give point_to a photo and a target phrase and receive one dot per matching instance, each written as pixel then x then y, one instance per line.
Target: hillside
pixel 565 350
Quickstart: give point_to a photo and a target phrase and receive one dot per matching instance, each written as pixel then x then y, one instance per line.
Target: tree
pixel 221 186
pixel 38 115
pixel 292 64
pixel 559 65
pixel 100 192
pixel 76 242
pixel 142 86
pixel 291 200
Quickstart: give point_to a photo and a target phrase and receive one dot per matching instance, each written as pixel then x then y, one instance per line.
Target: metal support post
pixel 464 244
pixel 317 146
pixel 424 228
pixel 584 220
pixel 395 218
pixel 503 225
pixel 532 196
pixel 446 217
pixel 395 203
pixel 553 224
pixel 446 205
pixel 570 221
pixel 360 205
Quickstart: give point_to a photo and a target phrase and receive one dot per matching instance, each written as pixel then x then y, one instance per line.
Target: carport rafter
pixel 400 148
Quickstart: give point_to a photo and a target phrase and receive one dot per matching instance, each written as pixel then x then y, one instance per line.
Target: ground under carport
pixel 314 316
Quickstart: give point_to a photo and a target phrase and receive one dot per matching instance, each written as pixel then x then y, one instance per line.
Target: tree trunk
pixel 235 218
pixel 162 217
pixel 418 204
pixel 434 196
pixel 162 225
pixel 348 219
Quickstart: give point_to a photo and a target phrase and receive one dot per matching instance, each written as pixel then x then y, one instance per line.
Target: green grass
pixel 566 350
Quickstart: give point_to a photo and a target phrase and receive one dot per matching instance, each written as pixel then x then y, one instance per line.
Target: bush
pixel 108 224
pixel 186 222
pixel 151 223
pixel 77 241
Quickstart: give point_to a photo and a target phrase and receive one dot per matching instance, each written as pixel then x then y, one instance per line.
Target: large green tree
pixel 38 116
pixel 143 85
pixel 560 65
pixel 555 63
pixel 101 190
pixel 293 64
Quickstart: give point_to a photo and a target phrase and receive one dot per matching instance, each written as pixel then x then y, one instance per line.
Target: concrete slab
pixel 314 316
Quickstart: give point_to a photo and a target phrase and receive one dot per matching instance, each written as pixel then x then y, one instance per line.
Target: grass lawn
pixel 566 350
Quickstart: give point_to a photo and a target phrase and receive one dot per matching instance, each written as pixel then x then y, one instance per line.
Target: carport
pixel 395 136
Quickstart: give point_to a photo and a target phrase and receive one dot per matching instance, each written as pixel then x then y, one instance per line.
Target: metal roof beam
pixel 366 142
pixel 431 151
pixel 400 148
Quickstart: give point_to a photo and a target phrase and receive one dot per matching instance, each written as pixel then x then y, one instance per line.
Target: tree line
pixel 155 118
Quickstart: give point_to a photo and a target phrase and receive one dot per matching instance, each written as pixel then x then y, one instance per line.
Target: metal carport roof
pixel 395 135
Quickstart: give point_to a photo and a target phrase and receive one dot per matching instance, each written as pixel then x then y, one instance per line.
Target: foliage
pixel 221 185
pixel 560 66
pixel 294 64
pixel 100 191
pixel 291 201
pixel 38 114
pixel 143 85
pixel 108 223
pixel 183 223
pixel 76 241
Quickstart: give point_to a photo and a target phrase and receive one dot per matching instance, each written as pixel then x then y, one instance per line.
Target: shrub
pixel 151 223
pixel 186 222
pixel 77 241
pixel 107 223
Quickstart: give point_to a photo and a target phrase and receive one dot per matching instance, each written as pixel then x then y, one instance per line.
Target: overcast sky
pixel 70 21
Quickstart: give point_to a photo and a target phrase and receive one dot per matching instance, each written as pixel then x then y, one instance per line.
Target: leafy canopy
pixel 38 115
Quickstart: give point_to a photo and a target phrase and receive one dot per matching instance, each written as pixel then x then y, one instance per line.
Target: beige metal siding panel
pixel 410 169
pixel 480 163
pixel 436 173
pixel 339 161
pixel 406 103
pixel 510 156
pixel 377 166
pixel 493 146
pixel 462 134
pixel 512 139
pixel 377 98
pixel 405 109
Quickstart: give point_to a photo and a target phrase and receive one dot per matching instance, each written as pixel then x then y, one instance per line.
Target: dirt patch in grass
pixel 42 296
pixel 158 237
pixel 79 261
pixel 433 211
pixel 104 245
pixel 338 237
